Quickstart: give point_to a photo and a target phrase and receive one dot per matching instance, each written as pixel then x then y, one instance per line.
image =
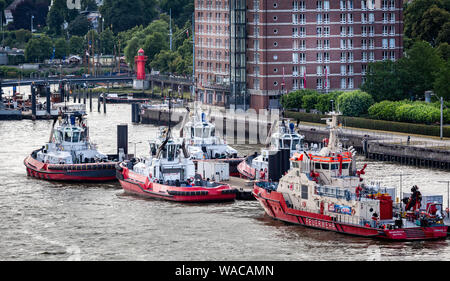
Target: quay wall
pixel 241 129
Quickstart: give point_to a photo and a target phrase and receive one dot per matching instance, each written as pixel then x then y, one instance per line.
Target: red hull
pixel 95 172
pixel 137 184
pixel 275 206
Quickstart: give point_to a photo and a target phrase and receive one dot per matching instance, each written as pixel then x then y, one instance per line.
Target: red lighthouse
pixel 139 61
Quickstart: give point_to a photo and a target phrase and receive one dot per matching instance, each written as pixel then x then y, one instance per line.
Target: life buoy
pixel 303 204
pixel 353 211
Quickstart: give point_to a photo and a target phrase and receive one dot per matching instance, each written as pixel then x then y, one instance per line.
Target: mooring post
pixel 98 103
pixel 122 139
pixel 33 102
pixel 48 102
pixel 104 99
pixel 90 99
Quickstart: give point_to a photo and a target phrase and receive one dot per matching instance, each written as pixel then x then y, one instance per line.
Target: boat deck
pixel 244 187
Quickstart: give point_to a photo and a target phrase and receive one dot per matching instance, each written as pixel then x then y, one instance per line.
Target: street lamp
pixel 442 116
pixel 32 17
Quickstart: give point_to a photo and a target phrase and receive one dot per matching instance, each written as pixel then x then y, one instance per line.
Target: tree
pixel 433 20
pixel 122 15
pixel 181 10
pixel 164 61
pixel 154 43
pixel 419 67
pixel 413 14
pixel 442 82
pixel 423 19
pixel 354 103
pixel 107 41
pixel 131 50
pixel 294 100
pixel 444 34
pixel 25 10
pixel 61 48
pixel 77 46
pixel 22 35
pixel 38 49
pixel 89 5
pixel 383 81
pixel 444 51
pixel 79 26
pixel 56 16
pixel 324 101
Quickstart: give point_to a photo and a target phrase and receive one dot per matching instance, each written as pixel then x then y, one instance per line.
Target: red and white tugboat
pixel 69 155
pixel 282 138
pixel 169 174
pixel 325 191
pixel 204 144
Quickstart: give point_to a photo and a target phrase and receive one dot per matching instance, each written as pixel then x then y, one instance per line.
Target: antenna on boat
pixel 170 109
pixel 163 144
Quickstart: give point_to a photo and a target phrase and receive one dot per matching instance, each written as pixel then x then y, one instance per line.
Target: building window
pixel 350 83
pixel 319 83
pixel 256 84
pixel 392 43
pixel 343 83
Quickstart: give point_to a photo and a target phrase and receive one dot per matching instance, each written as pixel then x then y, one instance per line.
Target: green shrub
pixel 418 113
pixel 370 124
pixel 294 100
pixel 385 110
pixel 309 101
pixel 355 103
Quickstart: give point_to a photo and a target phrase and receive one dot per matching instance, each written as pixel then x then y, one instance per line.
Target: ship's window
pixel 192 132
pixel 213 132
pixel 304 192
pixel 76 137
pixel 325 166
pixel 295 164
pixel 287 143
pixel 317 165
pixel 198 132
pixel 334 166
pixel 345 166
pixel 206 132
pixel 295 142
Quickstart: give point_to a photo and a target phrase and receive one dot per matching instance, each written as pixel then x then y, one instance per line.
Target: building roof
pixel 13 5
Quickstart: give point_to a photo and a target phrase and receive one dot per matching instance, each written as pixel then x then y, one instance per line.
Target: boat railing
pixel 335 217
pixel 344 193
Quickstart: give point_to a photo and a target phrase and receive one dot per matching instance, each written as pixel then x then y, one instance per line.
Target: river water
pixel 43 220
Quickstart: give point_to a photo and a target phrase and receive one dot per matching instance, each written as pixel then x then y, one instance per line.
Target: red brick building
pixel 289 44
